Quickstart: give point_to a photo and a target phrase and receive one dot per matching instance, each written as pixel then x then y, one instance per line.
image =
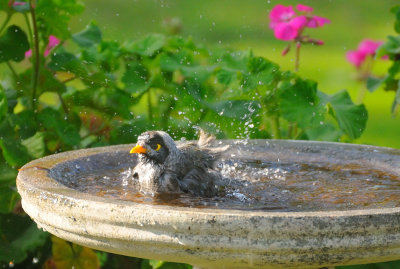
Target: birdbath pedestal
pixel 217 236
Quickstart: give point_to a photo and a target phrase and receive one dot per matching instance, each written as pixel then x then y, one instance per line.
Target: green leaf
pixel 13 151
pixel 352 119
pixel 20 237
pixel 125 133
pixel 173 265
pixel 11 96
pixel 13 44
pixel 35 145
pixel 396 11
pixel 396 101
pixel 53 120
pixel 173 62
pixel 225 76
pixel 259 64
pixel 155 264
pixel 149 45
pixel 54 16
pixel 373 83
pixel 236 61
pixel 391 47
pixel 199 73
pixel 324 132
pixel 88 37
pixel 7 175
pixel 136 78
pixel 300 103
pixel 67 62
pixel 239 109
pixel 114 102
pixel 68 255
pixel 8 199
pixel 3 103
pixel 25 123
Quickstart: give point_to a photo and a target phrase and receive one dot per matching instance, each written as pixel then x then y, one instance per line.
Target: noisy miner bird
pixel 164 167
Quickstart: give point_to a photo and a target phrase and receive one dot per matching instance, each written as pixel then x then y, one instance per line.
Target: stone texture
pixel 215 238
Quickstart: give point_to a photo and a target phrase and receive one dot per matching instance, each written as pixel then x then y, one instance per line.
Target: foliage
pixel 391 49
pixel 98 92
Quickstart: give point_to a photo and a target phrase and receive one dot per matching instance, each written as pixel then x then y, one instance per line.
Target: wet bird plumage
pixel 165 167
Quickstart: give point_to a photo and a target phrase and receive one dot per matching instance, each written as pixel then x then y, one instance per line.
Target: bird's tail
pixel 205 141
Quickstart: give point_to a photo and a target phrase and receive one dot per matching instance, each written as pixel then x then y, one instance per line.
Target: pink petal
pixel 284 31
pixel 28 53
pixel 355 57
pixel 317 21
pixel 53 41
pixel 368 46
pixel 18 3
pixel 304 8
pixel 281 13
pixel 298 22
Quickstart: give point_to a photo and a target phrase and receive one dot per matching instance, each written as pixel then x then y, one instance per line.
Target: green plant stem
pixel 297 57
pixel 5 22
pixel 361 93
pixel 36 56
pixel 275 125
pixel 149 107
pixel 290 130
pixel 28 25
pixel 15 75
pixel 63 104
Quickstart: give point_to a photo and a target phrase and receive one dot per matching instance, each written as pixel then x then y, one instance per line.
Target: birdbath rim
pixel 27 172
pixel 209 237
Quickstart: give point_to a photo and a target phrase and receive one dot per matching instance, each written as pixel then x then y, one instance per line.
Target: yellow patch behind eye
pixel 158 147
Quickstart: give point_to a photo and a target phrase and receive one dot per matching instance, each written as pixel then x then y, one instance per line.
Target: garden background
pixel 224 25
pixel 243 25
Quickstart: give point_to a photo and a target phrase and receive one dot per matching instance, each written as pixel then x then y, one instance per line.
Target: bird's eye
pixel 157 148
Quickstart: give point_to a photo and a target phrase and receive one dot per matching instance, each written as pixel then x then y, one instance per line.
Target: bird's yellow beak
pixel 138 149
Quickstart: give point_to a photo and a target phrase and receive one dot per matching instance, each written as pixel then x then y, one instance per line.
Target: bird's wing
pixel 199 183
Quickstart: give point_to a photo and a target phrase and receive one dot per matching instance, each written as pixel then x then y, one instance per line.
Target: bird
pixel 165 167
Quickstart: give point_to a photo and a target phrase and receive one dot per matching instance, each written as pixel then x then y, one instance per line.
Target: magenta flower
pixel 280 14
pixel 28 53
pixel 366 48
pixel 18 3
pixel 53 42
pixel 287 25
pixel 304 8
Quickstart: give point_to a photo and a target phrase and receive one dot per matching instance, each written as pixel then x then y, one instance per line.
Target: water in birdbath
pixel 256 179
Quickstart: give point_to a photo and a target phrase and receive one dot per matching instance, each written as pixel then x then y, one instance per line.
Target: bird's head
pixel 154 146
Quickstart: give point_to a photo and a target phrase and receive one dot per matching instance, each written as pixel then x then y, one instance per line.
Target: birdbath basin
pixel 287 204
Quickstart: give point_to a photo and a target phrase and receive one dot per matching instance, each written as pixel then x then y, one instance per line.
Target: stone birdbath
pixel 287 204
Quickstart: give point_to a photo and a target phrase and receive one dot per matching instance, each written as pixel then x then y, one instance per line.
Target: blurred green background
pixel 244 24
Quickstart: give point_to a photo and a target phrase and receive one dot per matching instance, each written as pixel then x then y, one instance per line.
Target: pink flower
pixel 369 46
pixel 18 3
pixel 366 48
pixel 53 42
pixel 355 57
pixel 28 53
pixel 304 8
pixel 280 14
pixel 287 25
pixel 316 21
